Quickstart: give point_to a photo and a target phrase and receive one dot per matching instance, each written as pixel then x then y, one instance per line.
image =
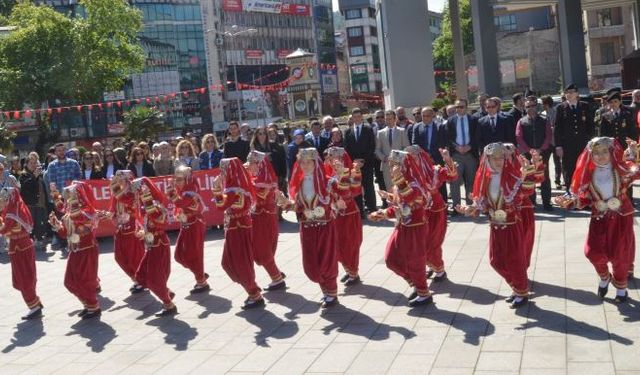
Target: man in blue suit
pixel 430 137
pixel 495 126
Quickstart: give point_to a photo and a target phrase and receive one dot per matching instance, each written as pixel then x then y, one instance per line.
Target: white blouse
pixel 494 187
pixel 308 190
pixel 603 181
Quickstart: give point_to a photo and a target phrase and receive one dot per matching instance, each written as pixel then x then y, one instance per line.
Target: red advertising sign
pixel 296 9
pixel 283 53
pixel 232 5
pixel 253 54
pixel 212 215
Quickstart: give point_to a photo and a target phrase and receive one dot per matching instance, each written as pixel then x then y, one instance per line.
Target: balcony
pixel 606 31
pixel 603 70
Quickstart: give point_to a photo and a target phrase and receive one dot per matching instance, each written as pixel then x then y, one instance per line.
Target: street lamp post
pixel 233 36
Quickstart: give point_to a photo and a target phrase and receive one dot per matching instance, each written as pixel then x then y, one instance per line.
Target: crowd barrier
pixel 212 215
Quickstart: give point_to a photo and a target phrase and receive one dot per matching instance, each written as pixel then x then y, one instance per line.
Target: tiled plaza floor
pixel 469 329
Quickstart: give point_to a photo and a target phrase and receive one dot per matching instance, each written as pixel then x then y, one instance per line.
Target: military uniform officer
pixel 618 122
pixel 574 127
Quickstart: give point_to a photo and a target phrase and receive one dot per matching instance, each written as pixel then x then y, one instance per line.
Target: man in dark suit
pixel 315 138
pixel 574 128
pixel 618 121
pixel 431 137
pixel 482 111
pixel 495 126
pixel 360 143
pixel 461 133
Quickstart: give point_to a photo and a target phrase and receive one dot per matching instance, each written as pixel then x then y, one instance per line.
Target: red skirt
pixel 611 240
pixel 507 256
pixel 437 229
pixel 23 270
pixel 189 250
pixel 129 251
pixel 349 233
pixel 81 276
pixel 155 269
pixel 237 259
pixel 405 255
pixel 319 255
pixel 265 241
pixel 529 228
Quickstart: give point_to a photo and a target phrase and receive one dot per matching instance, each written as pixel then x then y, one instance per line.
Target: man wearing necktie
pixel 618 121
pixel 360 143
pixel 574 127
pixel 314 137
pixel 461 133
pixel 390 138
pixel 495 126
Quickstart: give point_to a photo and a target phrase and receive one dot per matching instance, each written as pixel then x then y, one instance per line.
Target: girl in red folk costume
pixel 78 226
pixel 16 225
pixel 405 253
pixel 128 247
pixel 155 266
pixel 435 176
pixel 527 213
pixel 345 185
pixel 234 193
pixel 312 202
pixel 189 209
pixel 601 180
pixel 498 190
pixel 265 217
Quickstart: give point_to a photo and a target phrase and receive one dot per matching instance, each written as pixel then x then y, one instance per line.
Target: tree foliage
pixel 443 45
pixel 144 123
pixel 52 58
pixel 6 138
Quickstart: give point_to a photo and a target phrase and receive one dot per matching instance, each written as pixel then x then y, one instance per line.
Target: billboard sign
pixel 264 6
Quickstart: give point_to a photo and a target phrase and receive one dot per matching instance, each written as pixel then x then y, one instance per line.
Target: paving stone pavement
pixel 469 330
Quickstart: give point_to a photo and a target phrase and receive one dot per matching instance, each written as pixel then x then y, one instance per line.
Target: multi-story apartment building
pixel 610 36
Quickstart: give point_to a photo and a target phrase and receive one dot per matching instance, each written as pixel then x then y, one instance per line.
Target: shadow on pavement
pixel 377 293
pixel 97 332
pixel 144 302
pixel 269 325
pixel 630 310
pixel 177 332
pixel 352 322
pixel 296 303
pixel 212 304
pixel 467 292
pixel 473 327
pixel 557 322
pixel 26 334
pixel 562 292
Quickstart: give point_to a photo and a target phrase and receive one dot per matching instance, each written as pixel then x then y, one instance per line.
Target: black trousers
pixel 545 187
pixel 369 196
pixel 569 160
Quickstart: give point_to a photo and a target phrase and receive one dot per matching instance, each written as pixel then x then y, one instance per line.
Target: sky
pixel 435 5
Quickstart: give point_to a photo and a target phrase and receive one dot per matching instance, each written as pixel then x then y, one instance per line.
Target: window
pixel 506 22
pixel 356 51
pixel 373 31
pixel 352 14
pixel 604 17
pixel 607 53
pixel 354 32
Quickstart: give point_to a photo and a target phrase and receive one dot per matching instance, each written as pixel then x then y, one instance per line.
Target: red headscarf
pixel 157 195
pixel 190 183
pixel 337 152
pixel 84 194
pixel 425 164
pixel 125 197
pixel 320 179
pixel 266 176
pixel 16 209
pixel 511 177
pixel 235 178
pixel 585 166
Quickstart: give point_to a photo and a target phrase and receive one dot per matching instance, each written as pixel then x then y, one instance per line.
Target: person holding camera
pixel 34 194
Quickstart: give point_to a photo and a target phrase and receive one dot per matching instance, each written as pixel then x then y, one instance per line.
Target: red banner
pixel 283 53
pixel 212 215
pixel 253 54
pixel 296 9
pixel 232 5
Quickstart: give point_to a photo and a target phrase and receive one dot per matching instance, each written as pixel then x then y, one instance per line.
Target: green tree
pixel 6 138
pixel 144 123
pixel 443 45
pixel 51 56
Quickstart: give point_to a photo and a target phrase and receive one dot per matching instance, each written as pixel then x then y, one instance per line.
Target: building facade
pixel 609 36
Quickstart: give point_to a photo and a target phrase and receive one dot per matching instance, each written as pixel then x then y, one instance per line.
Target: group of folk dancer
pixel 321 192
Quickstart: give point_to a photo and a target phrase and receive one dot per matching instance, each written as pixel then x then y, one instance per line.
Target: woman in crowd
pixel 336 138
pixel 211 155
pixel 139 165
pixel 34 194
pixel 186 156
pixel 144 146
pixel 111 164
pixel 90 170
pixel 274 150
pixel 163 164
